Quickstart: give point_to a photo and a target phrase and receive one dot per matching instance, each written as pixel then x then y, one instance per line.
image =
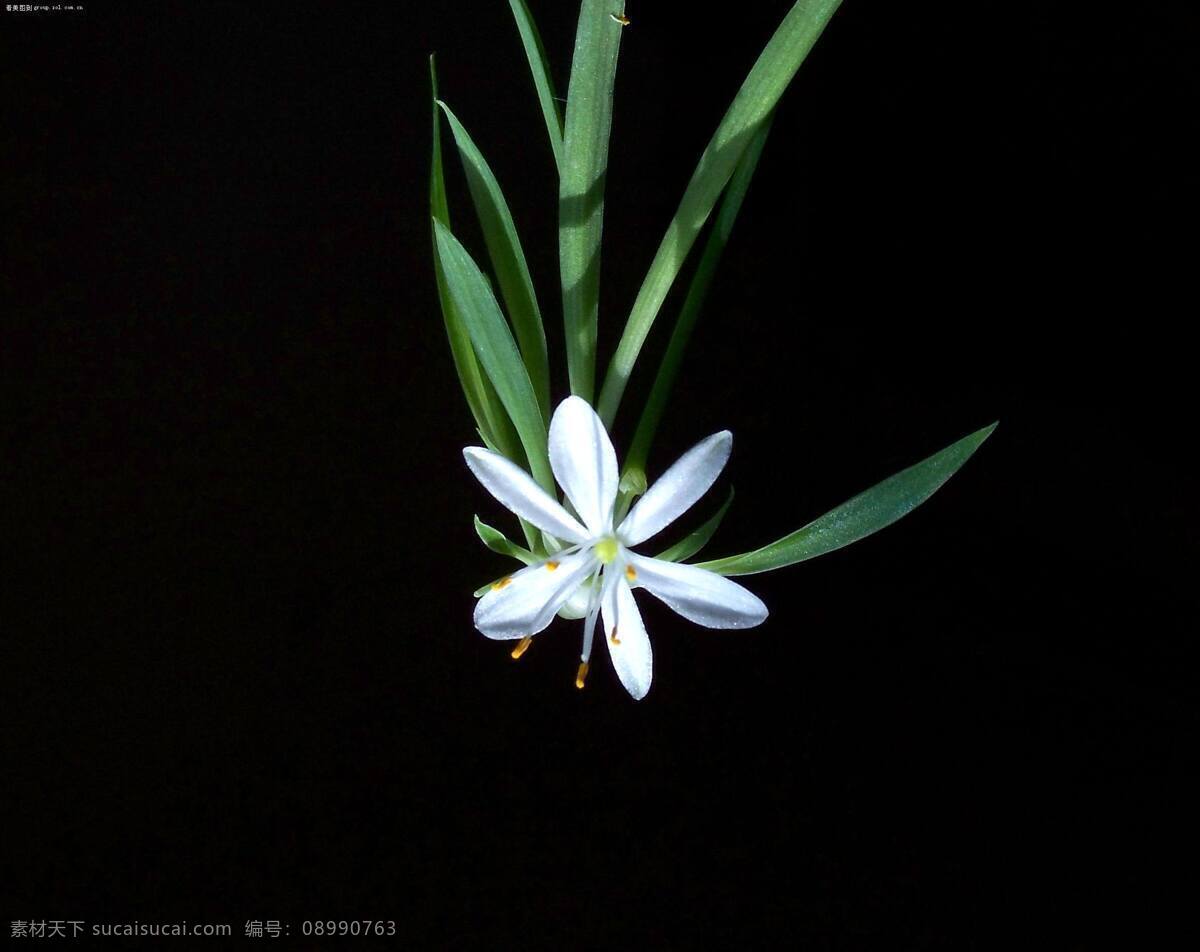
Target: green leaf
pixel 508 260
pixel 473 384
pixel 542 79
pixel 437 181
pixel 867 512
pixel 497 541
pixel 581 184
pixel 758 95
pixel 691 544
pixel 496 350
pixel 718 237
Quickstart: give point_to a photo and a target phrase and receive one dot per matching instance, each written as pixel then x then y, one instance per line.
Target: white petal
pixel 515 488
pixel 584 463
pixel 675 491
pixel 525 603
pixel 699 595
pixel 630 651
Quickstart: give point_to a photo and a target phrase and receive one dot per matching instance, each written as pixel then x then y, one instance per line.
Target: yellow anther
pixel 630 572
pixel 522 647
pixel 581 674
pixel 613 636
pixel 551 565
pixel 620 18
pixel 496 586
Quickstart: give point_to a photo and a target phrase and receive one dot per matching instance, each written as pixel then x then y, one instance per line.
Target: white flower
pixel 596 558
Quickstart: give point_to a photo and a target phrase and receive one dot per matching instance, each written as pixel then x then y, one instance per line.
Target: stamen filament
pixel 589 625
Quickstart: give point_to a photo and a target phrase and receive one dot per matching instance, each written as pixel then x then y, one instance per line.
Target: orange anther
pixel 522 647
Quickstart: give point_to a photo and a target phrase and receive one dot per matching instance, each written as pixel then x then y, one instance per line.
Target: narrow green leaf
pixel 508 260
pixel 688 546
pixel 581 184
pixel 718 237
pixel 758 95
pixel 437 181
pixel 497 541
pixel 496 350
pixel 542 78
pixel 867 512
pixel 460 342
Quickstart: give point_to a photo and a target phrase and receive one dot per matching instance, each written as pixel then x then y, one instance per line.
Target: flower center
pixel 606 550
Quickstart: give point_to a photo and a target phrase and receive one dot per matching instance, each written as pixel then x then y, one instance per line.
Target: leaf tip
pixel 987 431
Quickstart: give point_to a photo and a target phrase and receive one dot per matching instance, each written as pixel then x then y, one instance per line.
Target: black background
pixel 244 679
